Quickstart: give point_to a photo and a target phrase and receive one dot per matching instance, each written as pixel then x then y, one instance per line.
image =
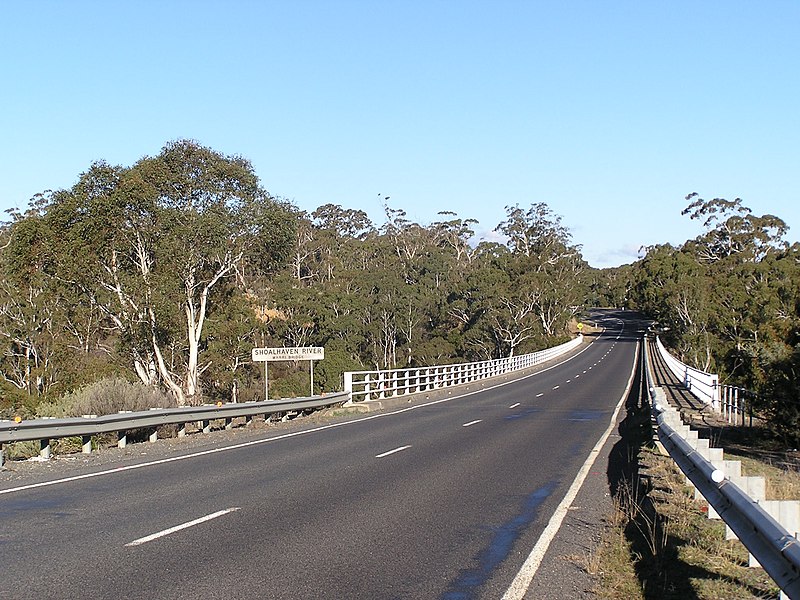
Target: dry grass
pixel 782 483
pixel 660 543
pixel 663 544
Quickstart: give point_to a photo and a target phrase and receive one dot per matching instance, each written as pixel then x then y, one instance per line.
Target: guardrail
pixel 85 427
pixel 374 385
pixel 704 386
pixel 768 541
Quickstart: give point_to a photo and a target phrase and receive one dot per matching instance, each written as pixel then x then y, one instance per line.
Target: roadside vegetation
pixel 154 281
pixel 168 272
pixel 659 542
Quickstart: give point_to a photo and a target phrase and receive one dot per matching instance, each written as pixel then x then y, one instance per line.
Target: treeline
pixel 728 302
pixel 169 271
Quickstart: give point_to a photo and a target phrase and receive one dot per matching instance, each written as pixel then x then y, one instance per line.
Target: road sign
pixel 268 355
pixel 279 354
pixel 580 326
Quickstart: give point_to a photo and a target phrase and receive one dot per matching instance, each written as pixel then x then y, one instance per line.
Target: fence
pixel 704 386
pixel 734 403
pixel 374 385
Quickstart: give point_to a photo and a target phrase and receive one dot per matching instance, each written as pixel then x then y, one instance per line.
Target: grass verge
pixel 659 542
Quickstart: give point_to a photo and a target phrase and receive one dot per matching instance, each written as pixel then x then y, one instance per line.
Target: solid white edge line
pixel 162 461
pixel 524 577
pixel 475 422
pixel 400 449
pixel 165 532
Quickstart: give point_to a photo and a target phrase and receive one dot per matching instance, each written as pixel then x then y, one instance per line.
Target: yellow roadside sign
pixel 580 326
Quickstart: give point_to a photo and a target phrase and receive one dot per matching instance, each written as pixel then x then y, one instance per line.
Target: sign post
pixel 267 355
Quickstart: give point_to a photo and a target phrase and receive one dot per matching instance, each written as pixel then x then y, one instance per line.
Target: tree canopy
pixel 169 271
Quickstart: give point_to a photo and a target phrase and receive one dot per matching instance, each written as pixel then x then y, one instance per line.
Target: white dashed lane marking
pixel 166 532
pixel 400 449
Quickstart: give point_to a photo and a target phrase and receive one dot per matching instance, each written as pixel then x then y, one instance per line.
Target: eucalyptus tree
pixel 731 298
pixel 454 234
pixel 545 287
pixel 152 243
pixel 28 330
pixel 537 233
pixel 732 231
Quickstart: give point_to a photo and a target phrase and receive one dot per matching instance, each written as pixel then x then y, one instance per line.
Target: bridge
pixel 469 483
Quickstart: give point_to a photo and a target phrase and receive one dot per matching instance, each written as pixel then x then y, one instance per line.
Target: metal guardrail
pixel 85 427
pixel 771 544
pixel 374 385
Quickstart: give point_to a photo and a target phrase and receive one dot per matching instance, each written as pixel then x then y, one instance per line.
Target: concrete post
pixel 44 449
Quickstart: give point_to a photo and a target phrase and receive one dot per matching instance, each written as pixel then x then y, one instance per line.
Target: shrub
pixel 104 397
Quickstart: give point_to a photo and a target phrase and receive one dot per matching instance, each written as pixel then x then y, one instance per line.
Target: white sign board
pixel 278 354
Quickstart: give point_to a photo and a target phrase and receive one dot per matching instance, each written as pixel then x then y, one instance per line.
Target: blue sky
pixel 609 112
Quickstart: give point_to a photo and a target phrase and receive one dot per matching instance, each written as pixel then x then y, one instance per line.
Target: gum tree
pixel 153 242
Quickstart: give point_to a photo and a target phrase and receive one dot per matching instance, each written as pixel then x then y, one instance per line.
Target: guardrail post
pixel 122 439
pixel 153 436
pixel 181 430
pixel 2 454
pixel 87 444
pixel 228 423
pixel 44 448
pixel 206 426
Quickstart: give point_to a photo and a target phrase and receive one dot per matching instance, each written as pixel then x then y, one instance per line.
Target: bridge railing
pixel 734 403
pixel 703 386
pixel 375 385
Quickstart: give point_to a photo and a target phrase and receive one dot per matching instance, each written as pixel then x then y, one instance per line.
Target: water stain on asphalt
pixel 524 413
pixel 46 506
pixel 585 415
pixel 470 580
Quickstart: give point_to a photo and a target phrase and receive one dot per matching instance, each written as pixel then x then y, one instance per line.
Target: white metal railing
pixel 703 386
pixel 734 402
pixel 374 385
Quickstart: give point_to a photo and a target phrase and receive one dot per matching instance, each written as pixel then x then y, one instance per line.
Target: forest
pixel 161 277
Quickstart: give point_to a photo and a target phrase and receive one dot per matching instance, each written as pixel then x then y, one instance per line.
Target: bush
pixel 105 397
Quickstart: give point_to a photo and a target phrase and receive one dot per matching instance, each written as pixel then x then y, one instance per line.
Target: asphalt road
pixel 444 499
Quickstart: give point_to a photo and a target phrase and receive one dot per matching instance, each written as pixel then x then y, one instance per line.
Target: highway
pixel 440 499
